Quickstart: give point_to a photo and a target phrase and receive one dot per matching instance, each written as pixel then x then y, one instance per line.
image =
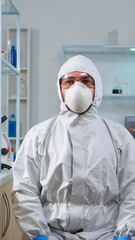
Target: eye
pixel 86 81
pixel 69 81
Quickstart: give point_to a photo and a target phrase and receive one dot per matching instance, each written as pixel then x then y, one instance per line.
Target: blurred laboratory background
pixel 36 37
pixel 51 32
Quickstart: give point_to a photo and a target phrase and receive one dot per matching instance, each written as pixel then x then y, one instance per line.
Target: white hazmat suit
pixel 74 176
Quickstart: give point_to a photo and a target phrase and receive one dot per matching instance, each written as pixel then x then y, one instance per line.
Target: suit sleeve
pixel 126 215
pixel 26 189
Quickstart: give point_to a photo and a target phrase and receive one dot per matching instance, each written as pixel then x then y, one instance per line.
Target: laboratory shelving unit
pixel 8 8
pixel 24 82
pixel 113 62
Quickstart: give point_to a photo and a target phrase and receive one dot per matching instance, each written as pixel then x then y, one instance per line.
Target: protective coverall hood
pixel 80 63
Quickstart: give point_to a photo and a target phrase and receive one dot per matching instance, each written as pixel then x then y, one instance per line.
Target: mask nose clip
pixel 78 83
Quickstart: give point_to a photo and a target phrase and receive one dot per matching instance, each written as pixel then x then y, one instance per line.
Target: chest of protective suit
pixel 81 163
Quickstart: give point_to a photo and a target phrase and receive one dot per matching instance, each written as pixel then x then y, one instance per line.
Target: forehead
pixel 76 74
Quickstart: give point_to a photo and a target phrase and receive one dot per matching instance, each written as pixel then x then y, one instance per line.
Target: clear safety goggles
pixel 68 80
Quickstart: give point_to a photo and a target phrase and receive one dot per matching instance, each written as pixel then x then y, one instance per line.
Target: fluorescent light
pixel 132 49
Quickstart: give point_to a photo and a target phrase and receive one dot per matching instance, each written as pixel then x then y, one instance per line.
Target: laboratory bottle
pixel 12 126
pixel 13 55
pixel 9 50
pixel 11 159
pixel 117 89
pixel 23 89
pixel 12 154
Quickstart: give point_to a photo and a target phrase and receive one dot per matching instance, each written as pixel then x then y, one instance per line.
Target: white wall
pixel 57 22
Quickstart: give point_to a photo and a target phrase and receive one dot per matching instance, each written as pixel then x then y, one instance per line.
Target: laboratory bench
pixel 9 229
pixel 5 176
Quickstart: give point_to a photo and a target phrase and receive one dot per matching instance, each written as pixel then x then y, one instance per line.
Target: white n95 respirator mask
pixel 78 98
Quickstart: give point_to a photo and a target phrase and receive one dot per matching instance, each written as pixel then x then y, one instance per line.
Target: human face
pixel 69 79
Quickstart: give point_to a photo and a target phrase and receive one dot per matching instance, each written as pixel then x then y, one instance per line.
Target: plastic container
pixel 11 158
pixel 13 55
pixel 12 126
pixel 14 156
pixel 23 89
pixel 9 50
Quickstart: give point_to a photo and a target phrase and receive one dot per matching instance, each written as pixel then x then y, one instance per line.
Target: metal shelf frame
pixel 7 7
pixel 95 49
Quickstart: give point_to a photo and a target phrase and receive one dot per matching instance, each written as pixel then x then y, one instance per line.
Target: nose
pixel 77 80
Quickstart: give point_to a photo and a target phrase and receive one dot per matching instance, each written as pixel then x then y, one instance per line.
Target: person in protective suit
pixel 74 176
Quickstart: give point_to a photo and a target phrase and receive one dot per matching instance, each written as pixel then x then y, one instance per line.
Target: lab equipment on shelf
pixel 23 89
pixel 13 55
pixel 12 126
pixel 124 88
pixel 9 50
pixel 117 89
pixel 12 155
